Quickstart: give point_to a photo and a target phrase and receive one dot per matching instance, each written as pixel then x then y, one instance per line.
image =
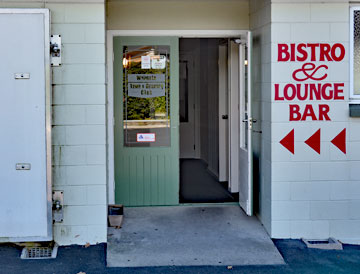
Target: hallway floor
pixel 198 185
pixel 189 235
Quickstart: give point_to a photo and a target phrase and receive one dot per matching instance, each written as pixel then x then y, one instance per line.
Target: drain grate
pixel 39 252
pixel 328 244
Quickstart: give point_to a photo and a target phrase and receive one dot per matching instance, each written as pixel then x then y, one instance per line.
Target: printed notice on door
pixel 146 85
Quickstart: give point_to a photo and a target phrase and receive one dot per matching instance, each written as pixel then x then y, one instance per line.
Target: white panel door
pixel 24 193
pixel 246 123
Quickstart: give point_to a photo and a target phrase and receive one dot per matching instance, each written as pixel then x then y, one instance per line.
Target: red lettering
pixel 337 91
pixel 283 49
pixel 342 52
pixel 298 92
pixel 286 92
pixel 304 55
pixel 323 112
pixel 294 113
pixel 313 51
pixel 308 112
pixel 324 52
pixel 314 91
pixel 323 92
pixel 292 54
pixel 277 95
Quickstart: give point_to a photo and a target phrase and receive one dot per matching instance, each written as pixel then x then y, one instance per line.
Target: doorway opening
pixel 205 79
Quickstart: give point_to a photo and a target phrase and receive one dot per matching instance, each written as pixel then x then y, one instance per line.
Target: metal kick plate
pixel 58 206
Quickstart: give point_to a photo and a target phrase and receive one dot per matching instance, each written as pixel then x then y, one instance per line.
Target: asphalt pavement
pixel 92 260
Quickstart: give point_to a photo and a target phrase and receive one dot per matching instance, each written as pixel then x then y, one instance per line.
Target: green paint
pixel 146 176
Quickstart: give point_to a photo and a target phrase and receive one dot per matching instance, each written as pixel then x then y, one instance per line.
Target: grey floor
pixel 190 235
pixel 197 185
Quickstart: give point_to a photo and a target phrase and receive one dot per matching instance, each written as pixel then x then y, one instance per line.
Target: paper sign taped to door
pixel 158 62
pixel 145 137
pixel 145 62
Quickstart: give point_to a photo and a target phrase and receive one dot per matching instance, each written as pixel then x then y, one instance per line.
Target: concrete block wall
pixel 260 16
pixel 314 195
pixel 79 125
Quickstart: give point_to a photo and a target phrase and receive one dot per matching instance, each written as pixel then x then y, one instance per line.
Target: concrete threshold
pixel 189 236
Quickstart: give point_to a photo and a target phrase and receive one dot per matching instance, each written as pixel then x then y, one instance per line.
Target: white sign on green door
pixel 146 90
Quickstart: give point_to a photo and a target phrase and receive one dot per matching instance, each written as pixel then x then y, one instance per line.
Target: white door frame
pixel 110 83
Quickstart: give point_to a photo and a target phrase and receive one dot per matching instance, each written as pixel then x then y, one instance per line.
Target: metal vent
pixel 39 252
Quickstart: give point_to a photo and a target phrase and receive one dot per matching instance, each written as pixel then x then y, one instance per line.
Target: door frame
pixel 110 34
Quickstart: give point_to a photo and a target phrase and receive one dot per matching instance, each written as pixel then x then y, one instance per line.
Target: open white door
pixel 246 123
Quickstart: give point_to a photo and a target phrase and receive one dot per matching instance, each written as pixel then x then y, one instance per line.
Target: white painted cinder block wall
pixel 79 135
pixel 314 196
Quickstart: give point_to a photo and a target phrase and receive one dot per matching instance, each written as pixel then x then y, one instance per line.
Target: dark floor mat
pixel 197 185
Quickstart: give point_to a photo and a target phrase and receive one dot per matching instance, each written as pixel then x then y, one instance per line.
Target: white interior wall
pixel 79 136
pixel 260 26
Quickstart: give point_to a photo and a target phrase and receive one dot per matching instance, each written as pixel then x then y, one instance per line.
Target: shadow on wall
pixel 257 111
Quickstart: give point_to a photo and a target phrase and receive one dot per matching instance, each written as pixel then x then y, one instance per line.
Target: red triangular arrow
pixel 314 141
pixel 288 142
pixel 340 141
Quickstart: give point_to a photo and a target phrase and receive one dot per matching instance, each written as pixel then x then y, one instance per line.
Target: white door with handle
pixel 245 132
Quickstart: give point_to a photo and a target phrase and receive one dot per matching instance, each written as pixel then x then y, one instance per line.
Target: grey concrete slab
pixel 190 235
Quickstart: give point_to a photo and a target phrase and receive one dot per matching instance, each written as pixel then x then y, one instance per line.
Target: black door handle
pixel 225 117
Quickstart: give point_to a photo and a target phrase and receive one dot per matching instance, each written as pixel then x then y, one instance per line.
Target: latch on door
pixel 251 121
pixel 58 206
pixel 55 50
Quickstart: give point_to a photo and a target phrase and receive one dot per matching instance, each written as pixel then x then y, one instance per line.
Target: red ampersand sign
pixel 309 67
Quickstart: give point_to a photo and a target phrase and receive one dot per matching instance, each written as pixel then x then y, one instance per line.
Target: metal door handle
pixel 252 120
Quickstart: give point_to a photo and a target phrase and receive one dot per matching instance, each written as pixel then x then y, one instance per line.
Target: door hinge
pixel 194 147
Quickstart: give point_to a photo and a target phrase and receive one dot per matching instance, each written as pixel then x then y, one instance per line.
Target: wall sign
pixel 310 84
pixel 317 89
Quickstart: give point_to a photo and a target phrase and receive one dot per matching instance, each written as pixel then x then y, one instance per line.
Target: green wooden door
pixel 146 107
